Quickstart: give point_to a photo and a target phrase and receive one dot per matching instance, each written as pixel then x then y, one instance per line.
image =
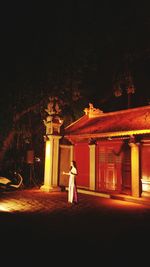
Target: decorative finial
pixel 53 121
pixel 93 112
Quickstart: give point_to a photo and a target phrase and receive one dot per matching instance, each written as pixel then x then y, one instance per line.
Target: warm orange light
pixel 15 205
pixel 19 205
pixel 48 150
pixel 4 207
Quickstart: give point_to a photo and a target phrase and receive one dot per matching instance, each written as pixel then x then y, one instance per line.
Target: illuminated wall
pixel 81 156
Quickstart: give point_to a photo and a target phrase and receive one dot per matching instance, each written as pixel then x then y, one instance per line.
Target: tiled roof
pixel 135 120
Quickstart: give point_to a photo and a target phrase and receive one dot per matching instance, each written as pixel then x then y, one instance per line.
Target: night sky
pixel 100 39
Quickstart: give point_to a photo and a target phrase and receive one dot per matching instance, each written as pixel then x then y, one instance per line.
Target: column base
pixel 46 188
pixel 145 194
pixel 145 188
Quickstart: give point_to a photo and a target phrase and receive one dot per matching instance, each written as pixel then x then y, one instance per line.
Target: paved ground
pixel 37 227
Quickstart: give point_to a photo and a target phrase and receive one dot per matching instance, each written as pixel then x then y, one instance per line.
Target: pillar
pixel 135 179
pixel 51 163
pixel 92 166
pixel 71 152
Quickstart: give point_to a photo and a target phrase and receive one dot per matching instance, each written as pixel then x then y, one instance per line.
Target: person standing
pixel 72 188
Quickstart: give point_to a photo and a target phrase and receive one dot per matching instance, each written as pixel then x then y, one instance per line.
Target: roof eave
pixel 108 134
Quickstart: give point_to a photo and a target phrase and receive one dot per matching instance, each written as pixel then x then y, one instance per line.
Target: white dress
pixel 72 190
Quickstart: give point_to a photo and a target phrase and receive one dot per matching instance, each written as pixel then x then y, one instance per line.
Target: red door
pixel 126 170
pixel 108 167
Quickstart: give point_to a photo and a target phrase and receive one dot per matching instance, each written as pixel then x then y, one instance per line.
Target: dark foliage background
pixel 74 50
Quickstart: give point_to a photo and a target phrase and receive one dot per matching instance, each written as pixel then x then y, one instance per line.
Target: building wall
pixel 111 172
pixel 81 156
pixel 112 165
pixel 80 153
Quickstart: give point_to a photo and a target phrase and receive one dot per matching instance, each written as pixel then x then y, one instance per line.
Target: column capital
pixel 92 145
pixel 134 144
pixel 53 136
pixel 92 141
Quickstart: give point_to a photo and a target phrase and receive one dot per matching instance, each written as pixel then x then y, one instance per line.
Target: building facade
pixel 112 151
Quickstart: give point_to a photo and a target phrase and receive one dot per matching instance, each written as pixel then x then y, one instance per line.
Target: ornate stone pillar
pixel 51 164
pixel 135 179
pixel 53 124
pixel 92 166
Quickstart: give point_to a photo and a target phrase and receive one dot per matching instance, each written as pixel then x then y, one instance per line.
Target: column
pixel 71 152
pixel 48 166
pixel 55 160
pixel 51 164
pixel 135 179
pixel 92 166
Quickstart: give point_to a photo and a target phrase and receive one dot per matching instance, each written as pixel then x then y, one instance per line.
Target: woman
pixel 72 189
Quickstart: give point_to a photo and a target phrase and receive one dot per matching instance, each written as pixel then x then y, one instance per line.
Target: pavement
pixel 34 200
pixel 42 227
pixel 144 200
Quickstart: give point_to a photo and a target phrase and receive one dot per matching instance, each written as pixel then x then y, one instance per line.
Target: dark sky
pixel 37 37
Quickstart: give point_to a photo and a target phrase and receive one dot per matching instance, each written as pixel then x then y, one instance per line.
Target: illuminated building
pixel 111 149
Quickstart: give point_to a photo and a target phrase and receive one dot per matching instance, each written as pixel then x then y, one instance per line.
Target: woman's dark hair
pixel 74 163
